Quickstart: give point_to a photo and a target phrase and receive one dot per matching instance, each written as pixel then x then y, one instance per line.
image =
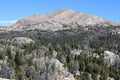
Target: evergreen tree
pixel 18 58
pixel 9 54
pixel 30 62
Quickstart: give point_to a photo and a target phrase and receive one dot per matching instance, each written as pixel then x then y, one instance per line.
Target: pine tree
pixel 18 58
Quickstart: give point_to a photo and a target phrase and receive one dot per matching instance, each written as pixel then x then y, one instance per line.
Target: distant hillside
pixel 58 20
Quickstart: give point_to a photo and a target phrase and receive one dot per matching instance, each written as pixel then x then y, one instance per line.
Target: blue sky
pixel 13 10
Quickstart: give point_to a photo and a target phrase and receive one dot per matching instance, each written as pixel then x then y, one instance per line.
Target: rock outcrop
pixel 53 69
pixel 111 58
pixel 22 40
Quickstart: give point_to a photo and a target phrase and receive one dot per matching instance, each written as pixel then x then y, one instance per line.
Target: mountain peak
pixel 64 11
pixel 56 20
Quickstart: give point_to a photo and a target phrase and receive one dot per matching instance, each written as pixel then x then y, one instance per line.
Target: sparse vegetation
pixel 34 61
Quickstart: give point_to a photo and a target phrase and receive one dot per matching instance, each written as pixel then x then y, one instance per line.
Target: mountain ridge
pixel 56 20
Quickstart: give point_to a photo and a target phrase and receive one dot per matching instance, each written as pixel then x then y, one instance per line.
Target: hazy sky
pixel 13 10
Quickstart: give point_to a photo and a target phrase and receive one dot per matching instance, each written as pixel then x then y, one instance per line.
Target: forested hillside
pixel 90 53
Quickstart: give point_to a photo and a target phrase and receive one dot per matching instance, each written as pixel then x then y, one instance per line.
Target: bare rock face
pixel 6 71
pixel 22 40
pixel 58 20
pixel 111 58
pixel 52 69
pixel 4 79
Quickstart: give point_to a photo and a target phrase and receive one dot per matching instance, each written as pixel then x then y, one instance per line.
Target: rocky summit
pixel 58 20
